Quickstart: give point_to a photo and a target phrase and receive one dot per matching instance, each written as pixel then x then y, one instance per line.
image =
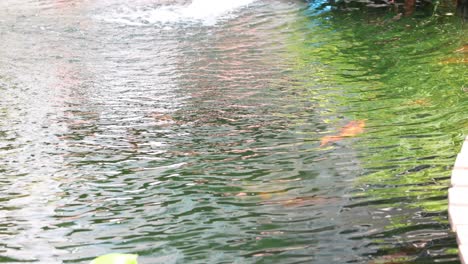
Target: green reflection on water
pixel 407 81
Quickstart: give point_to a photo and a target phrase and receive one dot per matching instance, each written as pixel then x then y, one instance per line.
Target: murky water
pixel 227 132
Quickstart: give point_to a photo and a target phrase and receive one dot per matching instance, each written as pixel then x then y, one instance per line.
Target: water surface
pixel 234 132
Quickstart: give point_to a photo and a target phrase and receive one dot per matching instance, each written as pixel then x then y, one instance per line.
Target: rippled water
pixel 241 132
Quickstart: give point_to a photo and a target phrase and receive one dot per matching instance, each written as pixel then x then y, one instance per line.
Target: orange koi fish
pixel 463 49
pixel 351 129
pixel 455 61
pixel 302 201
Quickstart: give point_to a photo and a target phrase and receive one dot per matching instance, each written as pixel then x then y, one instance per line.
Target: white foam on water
pixel 206 12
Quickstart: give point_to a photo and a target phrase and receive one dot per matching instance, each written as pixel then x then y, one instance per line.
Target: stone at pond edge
pixel 116 258
pixel 461 163
pixel 458 207
pixel 459 178
pixel 463 252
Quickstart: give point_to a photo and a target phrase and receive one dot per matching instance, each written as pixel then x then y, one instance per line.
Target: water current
pixel 227 132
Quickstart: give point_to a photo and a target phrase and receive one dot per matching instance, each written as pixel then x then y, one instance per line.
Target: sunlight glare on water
pixel 206 12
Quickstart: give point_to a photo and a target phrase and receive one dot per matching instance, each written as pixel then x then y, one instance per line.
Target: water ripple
pixel 198 137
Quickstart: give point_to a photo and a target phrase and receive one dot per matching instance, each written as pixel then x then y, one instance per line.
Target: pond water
pixel 227 132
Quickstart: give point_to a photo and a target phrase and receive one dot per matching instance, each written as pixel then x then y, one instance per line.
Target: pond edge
pixel 458 201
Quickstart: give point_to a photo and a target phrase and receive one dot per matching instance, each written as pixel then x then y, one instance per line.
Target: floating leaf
pixel 116 258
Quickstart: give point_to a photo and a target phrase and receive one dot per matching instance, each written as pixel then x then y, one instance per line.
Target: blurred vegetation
pixel 416 7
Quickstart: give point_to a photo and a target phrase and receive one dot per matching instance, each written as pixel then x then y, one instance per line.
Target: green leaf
pixel 116 258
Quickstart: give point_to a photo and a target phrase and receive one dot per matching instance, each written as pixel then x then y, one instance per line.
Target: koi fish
pixel 419 102
pixel 351 129
pixel 302 201
pixel 455 61
pixel 463 49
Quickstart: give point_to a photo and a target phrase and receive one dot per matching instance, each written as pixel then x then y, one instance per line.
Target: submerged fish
pixel 463 49
pixel 455 61
pixel 419 102
pixel 351 129
pixel 302 201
